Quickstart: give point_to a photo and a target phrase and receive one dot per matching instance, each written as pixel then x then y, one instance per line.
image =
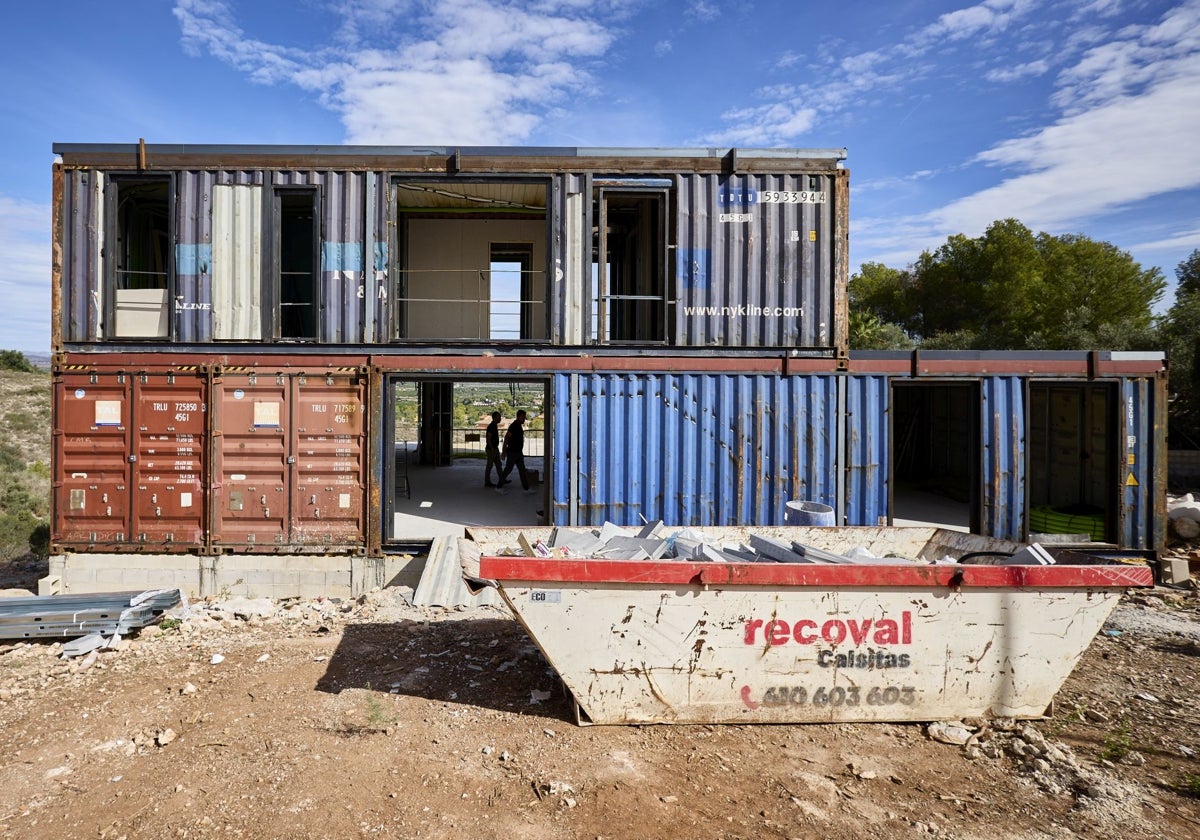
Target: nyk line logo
pixel 835 631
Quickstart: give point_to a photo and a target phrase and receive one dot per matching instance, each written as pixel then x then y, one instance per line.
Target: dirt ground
pixel 375 718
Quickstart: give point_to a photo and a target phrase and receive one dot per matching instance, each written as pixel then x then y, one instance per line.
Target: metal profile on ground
pixel 69 616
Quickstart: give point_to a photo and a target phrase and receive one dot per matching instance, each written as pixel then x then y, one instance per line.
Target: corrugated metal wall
pixel 717 449
pixel 1138 500
pixel 343 203
pixel 378 208
pixel 722 449
pixel 193 249
pixel 237 288
pixel 867 406
pixel 1003 432
pixel 83 231
pixel 782 257
pixel 763 255
pixel 569 255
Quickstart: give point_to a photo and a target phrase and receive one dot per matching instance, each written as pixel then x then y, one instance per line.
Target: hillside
pixel 24 472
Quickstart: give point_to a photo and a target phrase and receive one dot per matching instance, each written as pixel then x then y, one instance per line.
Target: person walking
pixel 492 449
pixel 514 449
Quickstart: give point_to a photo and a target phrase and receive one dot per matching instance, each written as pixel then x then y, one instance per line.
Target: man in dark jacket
pixel 492 448
pixel 514 450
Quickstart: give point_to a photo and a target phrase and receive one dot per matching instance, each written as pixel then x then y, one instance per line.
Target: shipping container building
pixel 236 330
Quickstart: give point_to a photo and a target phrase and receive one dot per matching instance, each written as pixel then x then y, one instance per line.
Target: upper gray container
pixel 732 248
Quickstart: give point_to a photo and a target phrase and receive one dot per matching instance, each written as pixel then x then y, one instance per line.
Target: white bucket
pixel 808 513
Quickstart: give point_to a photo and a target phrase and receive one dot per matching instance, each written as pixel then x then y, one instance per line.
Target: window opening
pixel 296 242
pixel 629 288
pixel 141 273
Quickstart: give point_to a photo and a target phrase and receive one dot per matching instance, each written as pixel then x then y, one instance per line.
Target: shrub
pixel 12 460
pixel 15 360
pixel 16 533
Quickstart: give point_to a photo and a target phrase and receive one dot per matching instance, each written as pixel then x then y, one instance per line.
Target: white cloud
pixel 408 71
pixel 1184 240
pixel 846 79
pixel 1131 113
pixel 1140 56
pixel 788 59
pixel 895 182
pixel 25 275
pixel 1018 72
pixel 662 48
pixel 1091 163
pixel 704 10
pixel 768 125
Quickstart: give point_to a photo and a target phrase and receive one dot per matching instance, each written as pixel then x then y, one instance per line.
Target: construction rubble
pixel 1183 512
pixel 653 542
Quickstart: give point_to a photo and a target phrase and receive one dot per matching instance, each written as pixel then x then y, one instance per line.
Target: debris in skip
pixel 652 542
pixel 805 624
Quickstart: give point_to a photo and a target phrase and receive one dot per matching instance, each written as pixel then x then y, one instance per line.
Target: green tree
pixel 1093 290
pixel 1180 329
pixel 1011 289
pixel 881 292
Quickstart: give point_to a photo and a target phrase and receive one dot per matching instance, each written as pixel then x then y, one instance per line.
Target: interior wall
pixel 445 258
pixel 1069 445
pixel 934 435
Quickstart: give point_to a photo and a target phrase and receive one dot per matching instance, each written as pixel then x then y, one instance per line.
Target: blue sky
pixel 1076 116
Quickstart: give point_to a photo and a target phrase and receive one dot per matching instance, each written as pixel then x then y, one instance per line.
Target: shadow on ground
pixel 23 572
pixel 489 663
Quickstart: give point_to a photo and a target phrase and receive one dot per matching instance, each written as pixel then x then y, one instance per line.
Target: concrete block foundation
pixel 251 575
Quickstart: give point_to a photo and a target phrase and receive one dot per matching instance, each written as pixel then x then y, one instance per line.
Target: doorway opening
pixel 438 432
pixel 1072 459
pixel 936 455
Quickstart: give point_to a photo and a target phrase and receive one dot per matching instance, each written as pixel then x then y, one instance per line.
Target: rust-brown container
pixel 169 413
pixel 129 460
pixel 330 464
pixel 251 430
pixel 290 467
pixel 91 463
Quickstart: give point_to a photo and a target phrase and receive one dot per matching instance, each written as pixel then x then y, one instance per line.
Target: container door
pixel 169 413
pixel 250 477
pixel 91 443
pixel 327 508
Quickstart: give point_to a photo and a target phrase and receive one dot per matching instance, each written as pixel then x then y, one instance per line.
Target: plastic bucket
pixel 808 513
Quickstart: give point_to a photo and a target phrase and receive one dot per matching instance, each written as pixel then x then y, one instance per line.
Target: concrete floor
pixel 917 507
pixel 446 499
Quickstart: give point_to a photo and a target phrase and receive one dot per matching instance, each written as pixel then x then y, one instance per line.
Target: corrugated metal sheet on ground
pixel 67 616
pixel 441 583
